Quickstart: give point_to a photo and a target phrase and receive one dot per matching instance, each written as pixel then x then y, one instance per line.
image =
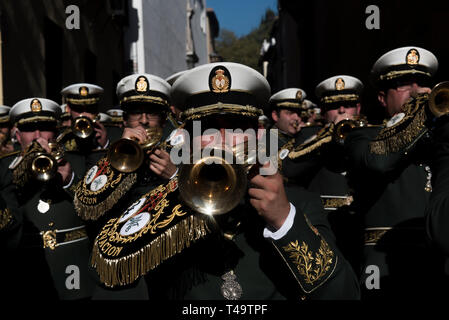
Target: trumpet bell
pixel 212 186
pixel 439 99
pixel 126 155
pixel 83 127
pixel 44 167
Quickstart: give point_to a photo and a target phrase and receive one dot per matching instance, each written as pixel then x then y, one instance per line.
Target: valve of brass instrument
pixel 439 99
pixel 45 165
pixel 127 155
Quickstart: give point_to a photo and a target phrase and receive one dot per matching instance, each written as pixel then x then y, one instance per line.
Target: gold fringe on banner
pixel 93 212
pixel 391 139
pixel 127 269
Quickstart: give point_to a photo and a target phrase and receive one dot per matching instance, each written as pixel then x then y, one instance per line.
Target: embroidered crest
pixel 132 210
pixel 412 57
pixel 84 91
pixel 36 105
pixel 339 84
pixel 91 174
pixel 299 95
pixel 101 188
pixel 98 183
pixel 219 80
pixel 135 224
pixel 142 85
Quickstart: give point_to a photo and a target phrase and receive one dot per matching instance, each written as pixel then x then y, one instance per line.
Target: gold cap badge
pixel 36 105
pixel 412 57
pixel 220 81
pixel 142 84
pixel 84 91
pixel 339 84
pixel 299 95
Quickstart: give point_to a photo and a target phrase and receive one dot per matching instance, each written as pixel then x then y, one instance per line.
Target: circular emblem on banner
pixel 132 210
pixel 35 105
pixel 412 57
pixel 283 153
pixel 142 86
pixel 339 84
pixel 395 119
pixel 98 183
pixel 219 80
pixel 135 224
pixel 91 174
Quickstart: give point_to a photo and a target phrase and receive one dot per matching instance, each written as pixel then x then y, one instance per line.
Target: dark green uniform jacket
pixel 47 244
pixel 392 189
pixel 438 209
pixel 184 255
pixel 332 184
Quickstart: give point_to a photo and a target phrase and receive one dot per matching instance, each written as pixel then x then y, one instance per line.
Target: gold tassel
pixel 126 270
pixel 93 212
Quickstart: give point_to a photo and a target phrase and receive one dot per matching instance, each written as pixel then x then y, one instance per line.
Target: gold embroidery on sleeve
pixel 311 266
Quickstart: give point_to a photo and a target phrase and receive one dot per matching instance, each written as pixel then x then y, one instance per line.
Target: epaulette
pixel 402 130
pixel 323 136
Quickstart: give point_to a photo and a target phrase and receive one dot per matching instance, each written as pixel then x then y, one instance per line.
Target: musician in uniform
pixel 145 100
pixel 82 100
pixel 6 146
pixel 437 209
pixel 290 115
pixel 339 98
pixel 47 243
pixel 227 242
pixel 392 182
pixel 65 118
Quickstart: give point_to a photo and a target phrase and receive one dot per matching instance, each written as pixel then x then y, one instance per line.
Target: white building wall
pixel 161 37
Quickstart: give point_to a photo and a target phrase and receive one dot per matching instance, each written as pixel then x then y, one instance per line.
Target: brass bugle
pixel 439 99
pixel 127 155
pixel 45 165
pixel 83 127
pixel 213 185
pixel 345 126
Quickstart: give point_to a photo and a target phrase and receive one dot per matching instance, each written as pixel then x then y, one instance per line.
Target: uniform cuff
pixel 71 181
pixel 105 146
pixel 282 231
pixel 174 174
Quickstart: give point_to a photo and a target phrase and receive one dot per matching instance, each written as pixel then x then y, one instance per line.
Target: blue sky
pixel 240 16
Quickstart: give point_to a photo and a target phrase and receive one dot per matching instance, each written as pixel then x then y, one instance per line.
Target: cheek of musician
pixel 336 116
